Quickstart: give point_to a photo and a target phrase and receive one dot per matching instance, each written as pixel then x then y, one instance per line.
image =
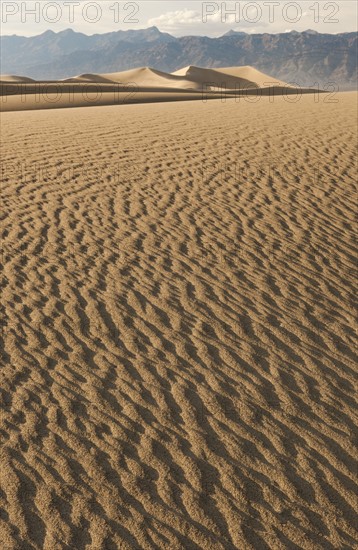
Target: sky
pixel 179 18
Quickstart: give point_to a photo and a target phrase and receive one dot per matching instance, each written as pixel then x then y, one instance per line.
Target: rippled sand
pixel 178 340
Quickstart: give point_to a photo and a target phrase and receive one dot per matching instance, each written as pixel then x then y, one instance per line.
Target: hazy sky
pixel 178 17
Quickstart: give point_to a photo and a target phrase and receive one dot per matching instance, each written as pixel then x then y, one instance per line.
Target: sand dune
pixel 178 366
pixel 145 77
pixel 192 78
pixel 229 77
pixel 15 79
pixel 139 86
pixel 251 74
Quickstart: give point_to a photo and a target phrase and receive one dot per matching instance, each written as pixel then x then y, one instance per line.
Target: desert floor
pixel 178 340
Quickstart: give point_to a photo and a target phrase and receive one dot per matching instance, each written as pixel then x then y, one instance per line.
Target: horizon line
pixel 174 36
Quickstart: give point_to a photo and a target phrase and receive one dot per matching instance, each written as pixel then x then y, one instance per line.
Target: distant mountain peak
pixel 47 33
pixel 231 32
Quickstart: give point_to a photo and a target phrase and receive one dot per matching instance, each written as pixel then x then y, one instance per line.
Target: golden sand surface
pixel 178 367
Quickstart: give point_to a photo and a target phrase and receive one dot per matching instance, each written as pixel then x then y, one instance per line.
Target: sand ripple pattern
pixel 178 332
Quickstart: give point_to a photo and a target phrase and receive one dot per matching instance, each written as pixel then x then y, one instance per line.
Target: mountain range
pixel 306 58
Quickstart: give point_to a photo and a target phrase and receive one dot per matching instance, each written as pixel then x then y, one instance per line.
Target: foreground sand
pixel 178 282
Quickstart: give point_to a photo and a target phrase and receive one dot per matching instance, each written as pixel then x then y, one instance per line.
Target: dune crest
pixel 88 78
pixel 15 79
